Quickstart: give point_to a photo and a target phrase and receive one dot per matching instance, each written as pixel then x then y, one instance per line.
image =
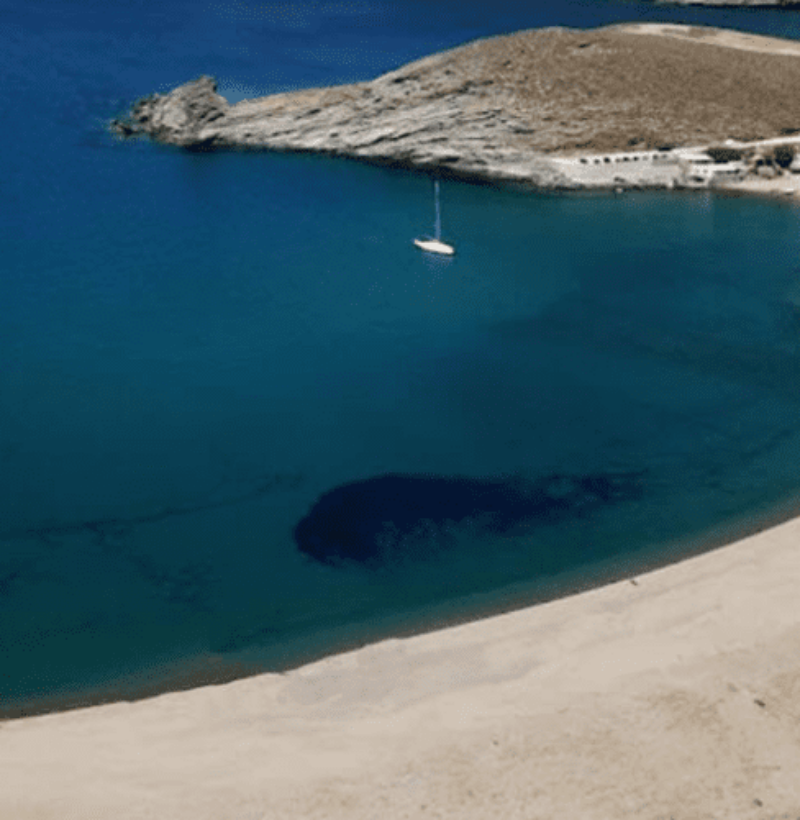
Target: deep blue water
pixel 197 348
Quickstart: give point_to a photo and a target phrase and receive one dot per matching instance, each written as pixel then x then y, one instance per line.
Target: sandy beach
pixel 786 186
pixel 670 695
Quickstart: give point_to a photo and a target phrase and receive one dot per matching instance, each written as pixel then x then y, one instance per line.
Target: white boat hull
pixel 435 246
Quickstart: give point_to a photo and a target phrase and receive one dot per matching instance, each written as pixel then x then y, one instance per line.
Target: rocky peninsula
pixel 512 108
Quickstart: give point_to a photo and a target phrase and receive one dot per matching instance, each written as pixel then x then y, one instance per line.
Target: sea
pixel 200 351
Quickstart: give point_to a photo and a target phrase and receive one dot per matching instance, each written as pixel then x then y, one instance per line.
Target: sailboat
pixel 436 245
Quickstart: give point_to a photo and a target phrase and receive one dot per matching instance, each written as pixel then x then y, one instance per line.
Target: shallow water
pixel 196 348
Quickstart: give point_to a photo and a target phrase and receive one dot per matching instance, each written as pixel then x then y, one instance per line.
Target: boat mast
pixel 438 223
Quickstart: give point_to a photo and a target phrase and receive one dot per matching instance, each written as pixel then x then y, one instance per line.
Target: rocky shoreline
pixel 526 108
pixel 347 121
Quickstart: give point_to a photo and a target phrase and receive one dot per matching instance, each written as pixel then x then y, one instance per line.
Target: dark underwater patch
pixel 381 519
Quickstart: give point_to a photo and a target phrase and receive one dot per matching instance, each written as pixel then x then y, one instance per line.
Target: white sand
pixel 709 35
pixel 785 186
pixel 629 701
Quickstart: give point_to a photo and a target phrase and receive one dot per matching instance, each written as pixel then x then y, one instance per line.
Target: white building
pixel 668 168
pixel 700 169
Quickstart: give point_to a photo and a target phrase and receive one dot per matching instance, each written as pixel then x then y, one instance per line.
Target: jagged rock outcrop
pixel 179 117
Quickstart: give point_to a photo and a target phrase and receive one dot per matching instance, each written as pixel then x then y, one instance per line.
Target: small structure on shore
pixel 641 169
pixel 663 168
pixel 699 168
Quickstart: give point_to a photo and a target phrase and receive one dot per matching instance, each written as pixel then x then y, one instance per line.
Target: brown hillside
pixel 612 88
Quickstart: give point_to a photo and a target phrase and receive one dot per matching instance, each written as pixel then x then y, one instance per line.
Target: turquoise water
pixel 197 347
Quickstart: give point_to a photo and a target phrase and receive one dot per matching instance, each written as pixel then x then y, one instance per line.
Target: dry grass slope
pixel 611 89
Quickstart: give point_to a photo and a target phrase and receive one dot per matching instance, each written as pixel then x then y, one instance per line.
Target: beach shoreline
pixel 202 667
pixel 671 693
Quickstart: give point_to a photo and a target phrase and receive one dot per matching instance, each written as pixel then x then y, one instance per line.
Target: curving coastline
pixel 512 108
pixel 673 694
pixel 670 695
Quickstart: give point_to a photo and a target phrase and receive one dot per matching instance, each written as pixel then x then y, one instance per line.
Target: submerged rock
pixel 389 517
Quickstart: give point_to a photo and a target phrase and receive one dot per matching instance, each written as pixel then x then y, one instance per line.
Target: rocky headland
pixel 504 108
